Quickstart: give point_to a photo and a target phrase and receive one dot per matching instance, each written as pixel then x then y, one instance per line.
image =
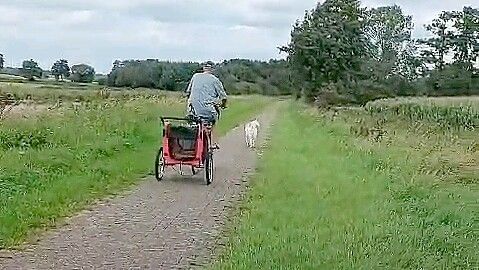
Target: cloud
pixel 98 32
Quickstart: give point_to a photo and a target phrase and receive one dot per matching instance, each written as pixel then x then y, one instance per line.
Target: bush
pixel 452 81
pixel 23 139
pixel 402 87
pixel 359 93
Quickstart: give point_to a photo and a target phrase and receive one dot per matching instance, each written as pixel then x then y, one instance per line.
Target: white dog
pixel 251 133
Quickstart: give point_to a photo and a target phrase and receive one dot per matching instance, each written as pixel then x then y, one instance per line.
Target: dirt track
pixel 168 225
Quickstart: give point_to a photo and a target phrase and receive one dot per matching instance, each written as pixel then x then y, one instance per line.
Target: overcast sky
pixel 98 32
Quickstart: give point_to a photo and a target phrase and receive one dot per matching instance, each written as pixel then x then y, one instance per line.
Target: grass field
pixel 448 112
pixel 328 197
pixel 394 185
pixel 54 91
pixel 10 78
pixel 57 162
pixel 442 101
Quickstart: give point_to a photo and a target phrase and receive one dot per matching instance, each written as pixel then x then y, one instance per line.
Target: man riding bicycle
pixel 206 94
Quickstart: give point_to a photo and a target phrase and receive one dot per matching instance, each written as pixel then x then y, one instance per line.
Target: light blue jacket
pixel 205 90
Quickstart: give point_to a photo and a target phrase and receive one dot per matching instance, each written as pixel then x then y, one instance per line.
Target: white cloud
pixel 98 32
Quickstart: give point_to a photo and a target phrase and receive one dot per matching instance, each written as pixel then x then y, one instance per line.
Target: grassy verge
pixel 55 164
pixel 323 199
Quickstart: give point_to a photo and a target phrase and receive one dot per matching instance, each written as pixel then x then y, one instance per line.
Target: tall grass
pixel 56 163
pixel 53 165
pixel 322 201
pixel 457 114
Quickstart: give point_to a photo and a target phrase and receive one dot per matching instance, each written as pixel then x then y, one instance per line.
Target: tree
pixel 387 29
pixel 465 42
pixel 2 61
pixel 30 70
pixel 440 44
pixel 111 78
pixel 82 73
pixel 241 76
pixel 389 34
pixel 455 32
pixel 60 69
pixel 328 46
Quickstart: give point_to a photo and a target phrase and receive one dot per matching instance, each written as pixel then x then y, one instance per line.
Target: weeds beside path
pixel 319 201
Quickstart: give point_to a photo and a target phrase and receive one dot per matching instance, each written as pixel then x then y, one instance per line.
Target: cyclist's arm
pixel 220 91
pixel 188 88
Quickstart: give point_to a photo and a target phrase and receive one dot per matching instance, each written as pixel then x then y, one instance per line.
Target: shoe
pixel 216 146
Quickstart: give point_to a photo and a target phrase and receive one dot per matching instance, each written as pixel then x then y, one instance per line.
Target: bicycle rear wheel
pixel 208 161
pixel 209 168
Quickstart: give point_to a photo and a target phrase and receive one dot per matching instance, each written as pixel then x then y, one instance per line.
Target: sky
pixel 98 32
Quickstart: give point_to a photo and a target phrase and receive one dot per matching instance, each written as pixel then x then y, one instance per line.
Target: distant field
pixel 361 189
pixel 442 101
pixel 55 162
pixel 10 77
pixel 73 91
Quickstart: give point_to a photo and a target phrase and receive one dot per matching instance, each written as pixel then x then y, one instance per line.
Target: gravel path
pixel 174 224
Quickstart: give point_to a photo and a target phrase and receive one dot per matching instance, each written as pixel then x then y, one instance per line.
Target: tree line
pixel 239 76
pixel 343 53
pixel 60 70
